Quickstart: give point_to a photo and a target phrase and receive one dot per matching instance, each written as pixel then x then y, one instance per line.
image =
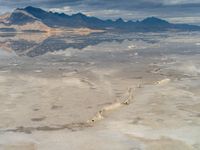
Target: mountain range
pixel 31 19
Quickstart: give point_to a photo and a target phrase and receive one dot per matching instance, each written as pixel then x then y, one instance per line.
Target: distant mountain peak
pixel 120 20
pixel 22 11
pixel 27 8
pixel 34 10
pixel 79 15
pixel 31 8
pixel 21 17
pixel 154 20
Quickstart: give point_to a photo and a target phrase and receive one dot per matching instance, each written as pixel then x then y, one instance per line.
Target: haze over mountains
pixel 36 19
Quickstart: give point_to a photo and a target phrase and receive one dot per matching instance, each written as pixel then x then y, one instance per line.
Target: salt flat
pixel 48 100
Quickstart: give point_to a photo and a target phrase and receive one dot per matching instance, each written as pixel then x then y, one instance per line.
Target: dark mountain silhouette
pixel 22 16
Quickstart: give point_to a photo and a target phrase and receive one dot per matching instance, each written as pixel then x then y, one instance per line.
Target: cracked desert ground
pixel 136 93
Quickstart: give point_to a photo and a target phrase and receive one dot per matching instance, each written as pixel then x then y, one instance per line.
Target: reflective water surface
pixel 130 91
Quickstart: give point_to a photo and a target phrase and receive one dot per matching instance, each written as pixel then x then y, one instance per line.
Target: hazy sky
pixel 173 10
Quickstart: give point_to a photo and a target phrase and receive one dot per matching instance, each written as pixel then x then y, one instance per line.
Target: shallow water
pixel 51 86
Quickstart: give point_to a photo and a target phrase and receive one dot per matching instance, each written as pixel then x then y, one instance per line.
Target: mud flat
pixel 100 100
